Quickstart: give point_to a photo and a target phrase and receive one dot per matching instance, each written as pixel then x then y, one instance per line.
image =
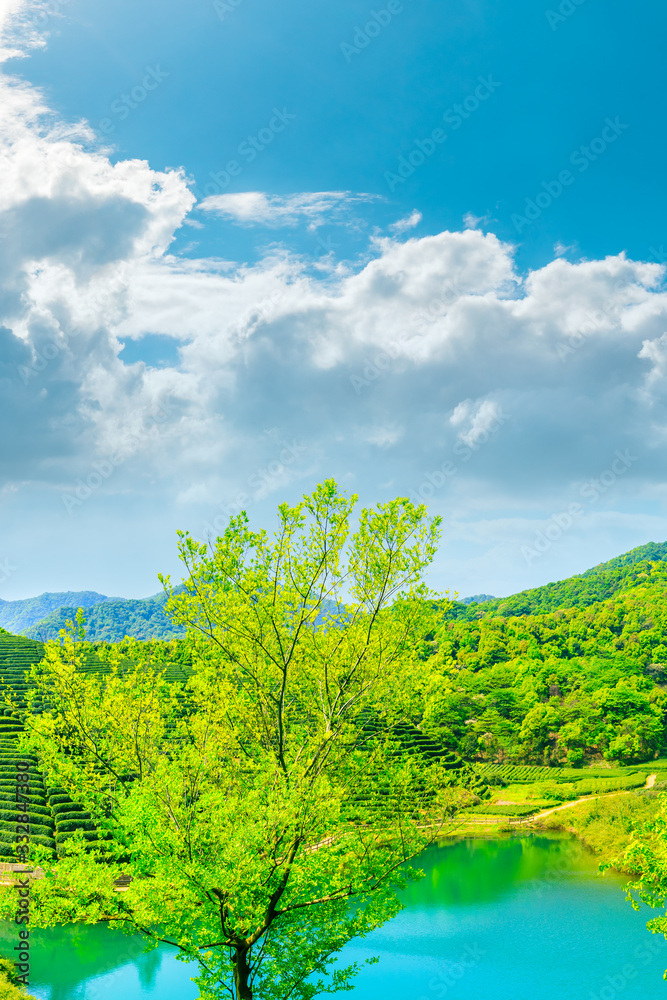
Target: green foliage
pixel 606 825
pixel 554 689
pixel 18 616
pixel 10 987
pixel 112 621
pixel 596 584
pixel 252 803
pixel 514 809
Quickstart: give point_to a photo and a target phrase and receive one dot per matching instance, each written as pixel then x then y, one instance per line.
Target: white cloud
pixel 406 223
pixel 378 374
pixel 258 208
pixel 472 221
pixel 476 420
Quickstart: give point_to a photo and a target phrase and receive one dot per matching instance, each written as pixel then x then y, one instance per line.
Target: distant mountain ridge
pixel 110 619
pixel 595 584
pixel 17 616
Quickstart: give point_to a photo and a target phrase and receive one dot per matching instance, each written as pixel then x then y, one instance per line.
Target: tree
pixel 646 859
pixel 266 811
pixel 11 986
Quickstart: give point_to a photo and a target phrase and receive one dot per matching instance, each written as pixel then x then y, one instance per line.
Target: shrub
pixel 11 799
pixel 60 808
pixel 35 838
pixel 7 826
pixel 86 834
pixel 74 814
pixel 517 809
pixel 9 987
pixel 31 811
pixel 69 825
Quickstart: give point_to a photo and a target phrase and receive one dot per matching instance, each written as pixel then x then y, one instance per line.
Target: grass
pixel 605 825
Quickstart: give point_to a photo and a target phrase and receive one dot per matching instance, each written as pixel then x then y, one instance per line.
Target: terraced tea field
pixel 52 815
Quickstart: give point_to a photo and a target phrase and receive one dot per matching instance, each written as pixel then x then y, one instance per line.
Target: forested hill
pixel 565 674
pixel 111 621
pixel 566 686
pixel 596 584
pixel 17 616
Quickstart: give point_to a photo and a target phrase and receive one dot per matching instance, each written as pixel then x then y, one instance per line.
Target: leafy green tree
pixel 646 859
pixel 11 987
pixel 263 810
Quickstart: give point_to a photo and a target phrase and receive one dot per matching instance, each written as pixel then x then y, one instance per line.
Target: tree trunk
pixel 242 974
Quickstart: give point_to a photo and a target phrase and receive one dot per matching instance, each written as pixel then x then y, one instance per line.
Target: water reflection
pixel 511 919
pixel 81 962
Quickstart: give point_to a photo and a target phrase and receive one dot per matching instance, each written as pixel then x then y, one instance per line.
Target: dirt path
pixel 650 782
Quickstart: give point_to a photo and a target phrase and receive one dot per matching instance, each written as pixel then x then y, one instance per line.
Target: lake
pixel 512 919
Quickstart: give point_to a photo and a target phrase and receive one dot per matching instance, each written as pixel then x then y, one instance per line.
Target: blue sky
pixel 355 113
pixel 413 245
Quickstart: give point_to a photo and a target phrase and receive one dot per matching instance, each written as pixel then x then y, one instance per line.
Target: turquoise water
pixel 519 919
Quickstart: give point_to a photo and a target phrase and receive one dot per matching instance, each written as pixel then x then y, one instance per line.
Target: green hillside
pixel 53 815
pixel 112 621
pixel 562 675
pixel 571 685
pixel 18 616
pixel 596 584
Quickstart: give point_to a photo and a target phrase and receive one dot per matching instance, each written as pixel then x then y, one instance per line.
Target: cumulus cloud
pixel 433 362
pixel 258 208
pixel 406 223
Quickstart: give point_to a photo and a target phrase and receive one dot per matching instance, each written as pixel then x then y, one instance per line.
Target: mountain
pixel 111 620
pixel 18 616
pixel 568 673
pixel 564 674
pixel 597 584
pixel 656 551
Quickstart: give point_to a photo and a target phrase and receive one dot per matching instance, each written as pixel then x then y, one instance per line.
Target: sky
pixel 244 246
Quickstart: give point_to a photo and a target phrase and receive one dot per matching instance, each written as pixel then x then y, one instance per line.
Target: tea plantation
pixel 53 816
